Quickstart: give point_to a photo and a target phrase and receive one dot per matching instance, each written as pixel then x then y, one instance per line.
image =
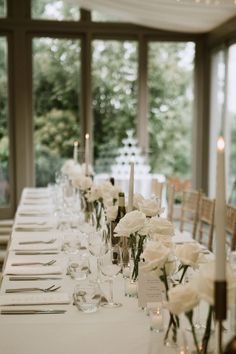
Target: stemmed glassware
pixel 110 266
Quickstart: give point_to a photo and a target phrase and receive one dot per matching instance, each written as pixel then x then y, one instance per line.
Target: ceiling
pixel 196 16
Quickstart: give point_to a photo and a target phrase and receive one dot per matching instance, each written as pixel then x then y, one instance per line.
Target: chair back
pixel 206 221
pixel 231 226
pixel 157 188
pixel 189 210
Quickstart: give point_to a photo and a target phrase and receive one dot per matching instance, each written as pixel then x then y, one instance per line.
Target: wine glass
pixel 97 247
pixel 110 266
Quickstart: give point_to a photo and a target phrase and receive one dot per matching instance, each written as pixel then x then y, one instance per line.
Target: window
pixel 4 132
pixel 216 118
pixel 56 77
pixel 230 124
pixel 55 10
pixel 2 8
pixel 170 85
pixel 114 89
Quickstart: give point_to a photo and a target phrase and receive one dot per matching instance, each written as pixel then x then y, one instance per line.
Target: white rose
pixel 111 213
pixel 68 167
pixel 188 254
pixel 204 283
pixel 160 227
pixel 182 298
pixel 130 223
pixel 109 192
pixel 94 194
pixel 90 169
pixel 155 255
pixel 165 239
pixel 76 180
pixel 74 172
pixel 150 207
pixel 85 183
pixel 138 198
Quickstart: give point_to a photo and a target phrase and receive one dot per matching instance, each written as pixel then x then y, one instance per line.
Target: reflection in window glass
pixel 230 128
pixel 2 8
pixel 55 10
pixel 114 85
pixel 56 75
pixel 170 84
pixel 216 112
pixel 4 135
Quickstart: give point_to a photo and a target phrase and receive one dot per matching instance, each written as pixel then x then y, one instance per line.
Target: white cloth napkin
pixel 34 299
pixel 16 246
pixel 33 270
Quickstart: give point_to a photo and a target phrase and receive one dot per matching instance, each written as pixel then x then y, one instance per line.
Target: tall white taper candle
pixel 131 187
pixel 86 154
pixel 220 272
pixel 75 153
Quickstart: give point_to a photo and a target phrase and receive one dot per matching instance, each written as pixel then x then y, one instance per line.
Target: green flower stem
pixel 185 268
pixel 136 256
pixel 189 315
pixel 207 333
pixel 174 320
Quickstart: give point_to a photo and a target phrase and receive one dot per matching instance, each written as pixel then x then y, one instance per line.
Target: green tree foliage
pixel 4 140
pixel 56 85
pixel 114 79
pixel 170 83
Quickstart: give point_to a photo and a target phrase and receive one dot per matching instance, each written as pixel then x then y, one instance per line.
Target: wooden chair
pixel 189 211
pixel 206 221
pixel 5 234
pixel 157 188
pixel 175 188
pixel 170 201
pixel 231 226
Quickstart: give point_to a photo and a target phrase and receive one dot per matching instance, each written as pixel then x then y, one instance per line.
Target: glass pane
pixel 170 84
pixel 105 17
pixel 55 10
pixel 4 136
pixel 3 8
pixel 216 113
pixel 56 76
pixel 230 127
pixel 114 85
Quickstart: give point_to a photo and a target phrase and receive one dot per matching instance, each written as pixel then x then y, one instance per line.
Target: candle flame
pixel 76 143
pixel 87 136
pixel 220 143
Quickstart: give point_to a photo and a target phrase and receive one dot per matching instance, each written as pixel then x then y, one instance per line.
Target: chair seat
pixel 7 222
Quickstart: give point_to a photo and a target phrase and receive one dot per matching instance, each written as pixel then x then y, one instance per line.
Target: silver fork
pixel 36 242
pixel 50 289
pixel 34 263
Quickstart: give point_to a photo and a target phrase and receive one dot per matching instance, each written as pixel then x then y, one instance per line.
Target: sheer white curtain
pixel 182 15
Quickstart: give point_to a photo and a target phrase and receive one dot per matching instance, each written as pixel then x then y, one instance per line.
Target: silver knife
pixel 25 253
pixel 22 278
pixel 31 312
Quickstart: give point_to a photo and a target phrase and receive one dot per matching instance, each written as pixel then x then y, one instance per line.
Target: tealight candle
pixel 131 289
pixel 126 272
pixel 156 320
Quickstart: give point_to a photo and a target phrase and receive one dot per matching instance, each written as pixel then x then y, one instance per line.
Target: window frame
pixel 21 28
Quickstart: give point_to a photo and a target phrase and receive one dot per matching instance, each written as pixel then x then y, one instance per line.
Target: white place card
pixel 150 288
pixel 34 299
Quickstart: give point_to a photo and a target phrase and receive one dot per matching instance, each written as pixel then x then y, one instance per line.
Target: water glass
pixel 87 296
pixel 78 267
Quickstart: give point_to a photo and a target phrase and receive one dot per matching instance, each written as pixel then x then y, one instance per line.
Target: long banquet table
pixel 109 331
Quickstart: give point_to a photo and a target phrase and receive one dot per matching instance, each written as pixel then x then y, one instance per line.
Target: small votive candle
pixel 131 289
pixel 126 272
pixel 156 320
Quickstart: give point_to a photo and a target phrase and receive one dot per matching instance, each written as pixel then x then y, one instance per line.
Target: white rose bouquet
pixel 132 226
